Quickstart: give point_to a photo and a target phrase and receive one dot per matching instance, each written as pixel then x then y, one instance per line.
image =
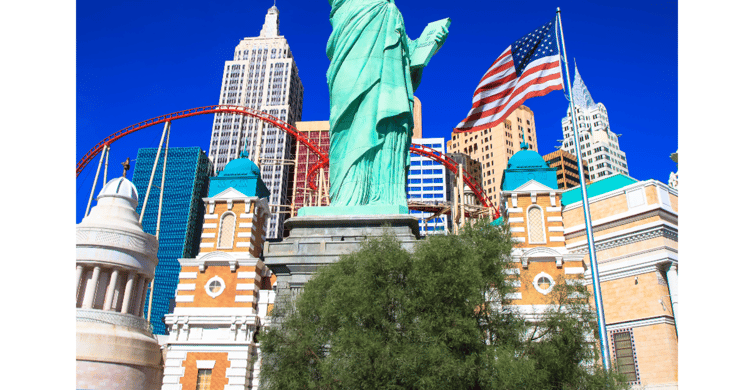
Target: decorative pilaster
pixel 672 274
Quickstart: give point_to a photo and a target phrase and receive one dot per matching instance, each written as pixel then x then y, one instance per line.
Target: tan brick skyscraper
pixel 493 147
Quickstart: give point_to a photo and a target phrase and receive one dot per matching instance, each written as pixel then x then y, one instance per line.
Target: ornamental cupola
pixel 115 264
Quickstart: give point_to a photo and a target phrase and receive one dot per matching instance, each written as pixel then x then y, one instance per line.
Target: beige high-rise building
pixel 493 147
pixel 262 75
pixel 417 118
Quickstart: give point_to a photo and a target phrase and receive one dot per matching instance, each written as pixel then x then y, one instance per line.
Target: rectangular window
pixel 203 379
pixel 625 357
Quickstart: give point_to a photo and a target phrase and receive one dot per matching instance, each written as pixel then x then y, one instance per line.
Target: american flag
pixel 529 67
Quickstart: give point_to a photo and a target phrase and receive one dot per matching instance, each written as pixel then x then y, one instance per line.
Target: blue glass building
pixel 186 182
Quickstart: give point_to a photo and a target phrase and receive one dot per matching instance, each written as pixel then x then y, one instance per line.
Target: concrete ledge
pixel 352 210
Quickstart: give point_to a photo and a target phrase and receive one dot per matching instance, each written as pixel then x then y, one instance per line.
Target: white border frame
pixel 222 286
pixel 220 230
pixel 536 286
pixel 528 224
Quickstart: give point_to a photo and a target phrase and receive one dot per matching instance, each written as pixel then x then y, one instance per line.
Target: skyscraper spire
pixel 581 95
pixel 271 26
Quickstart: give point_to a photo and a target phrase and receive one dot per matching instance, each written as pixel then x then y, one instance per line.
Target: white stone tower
pixel 263 76
pixel 115 262
pixel 599 144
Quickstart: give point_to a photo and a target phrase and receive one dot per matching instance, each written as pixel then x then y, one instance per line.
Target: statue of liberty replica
pixel 374 71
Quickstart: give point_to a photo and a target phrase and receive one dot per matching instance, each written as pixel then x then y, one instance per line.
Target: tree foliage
pixel 437 318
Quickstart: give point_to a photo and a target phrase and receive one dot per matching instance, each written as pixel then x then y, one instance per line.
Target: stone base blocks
pixel 315 241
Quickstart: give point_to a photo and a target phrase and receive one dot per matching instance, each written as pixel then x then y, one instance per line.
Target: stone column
pixel 79 272
pixel 672 274
pixel 128 292
pixel 91 289
pixel 111 290
pixel 139 295
pixel 144 295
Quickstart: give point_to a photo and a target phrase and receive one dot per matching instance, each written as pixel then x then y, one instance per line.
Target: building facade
pixel 532 206
pixel 635 226
pixel 186 181
pixel 427 183
pixel 262 75
pixel 225 292
pixel 493 147
pixel 318 132
pixel 567 168
pixel 115 262
pixel 599 144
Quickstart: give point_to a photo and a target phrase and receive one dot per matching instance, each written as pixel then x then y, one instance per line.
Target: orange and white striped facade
pixel 541 259
pixel 222 300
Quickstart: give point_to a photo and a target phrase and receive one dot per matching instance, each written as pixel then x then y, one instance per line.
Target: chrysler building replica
pixel 262 76
pixel 599 145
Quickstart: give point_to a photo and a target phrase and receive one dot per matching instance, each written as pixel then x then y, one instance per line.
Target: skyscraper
pixel 426 183
pixel 263 76
pixel 186 180
pixel 599 145
pixel 567 168
pixel 494 146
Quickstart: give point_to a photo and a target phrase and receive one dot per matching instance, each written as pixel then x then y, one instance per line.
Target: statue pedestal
pixel 315 241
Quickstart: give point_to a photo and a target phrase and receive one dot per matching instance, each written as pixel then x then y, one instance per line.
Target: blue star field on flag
pixel 535 45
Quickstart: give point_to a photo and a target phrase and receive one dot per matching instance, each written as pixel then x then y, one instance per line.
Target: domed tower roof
pixel 526 159
pixel 527 165
pixel 120 188
pixel 242 175
pixel 240 167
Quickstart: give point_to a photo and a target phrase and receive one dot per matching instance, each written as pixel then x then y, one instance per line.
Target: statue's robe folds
pixel 371 103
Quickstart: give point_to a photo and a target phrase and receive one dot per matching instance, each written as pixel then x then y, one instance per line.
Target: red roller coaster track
pixel 246 111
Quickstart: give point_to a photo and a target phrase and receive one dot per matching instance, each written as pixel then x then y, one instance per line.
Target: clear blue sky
pixel 141 59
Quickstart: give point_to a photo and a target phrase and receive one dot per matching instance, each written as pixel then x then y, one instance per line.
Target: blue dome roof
pixel 527 165
pixel 240 167
pixel 527 159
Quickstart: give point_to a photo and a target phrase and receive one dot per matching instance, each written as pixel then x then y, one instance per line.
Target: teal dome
pixel 240 167
pixel 527 159
pixel 242 175
pixel 527 165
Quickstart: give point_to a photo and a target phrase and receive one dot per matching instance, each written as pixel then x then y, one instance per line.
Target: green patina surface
pixel 371 81
pixel 528 165
pixel 242 175
pixel 353 210
pixel 603 186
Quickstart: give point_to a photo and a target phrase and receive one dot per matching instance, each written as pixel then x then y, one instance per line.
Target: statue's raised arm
pixel 371 80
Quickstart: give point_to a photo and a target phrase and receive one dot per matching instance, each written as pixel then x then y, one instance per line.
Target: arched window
pixel 536 225
pixel 227 230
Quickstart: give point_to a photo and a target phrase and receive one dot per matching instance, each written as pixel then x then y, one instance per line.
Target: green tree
pixel 437 318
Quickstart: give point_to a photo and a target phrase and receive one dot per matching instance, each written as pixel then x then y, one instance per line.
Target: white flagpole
pixel 587 216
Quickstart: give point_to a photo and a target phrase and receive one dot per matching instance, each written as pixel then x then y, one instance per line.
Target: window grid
pixel 624 351
pixel 203 378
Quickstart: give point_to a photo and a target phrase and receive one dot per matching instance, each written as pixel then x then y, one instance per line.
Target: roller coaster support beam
pixel 94 185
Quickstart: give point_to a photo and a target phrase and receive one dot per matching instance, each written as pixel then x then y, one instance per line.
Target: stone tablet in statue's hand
pixel 441 36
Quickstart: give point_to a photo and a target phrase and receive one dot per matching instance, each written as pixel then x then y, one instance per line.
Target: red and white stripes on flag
pixel 502 89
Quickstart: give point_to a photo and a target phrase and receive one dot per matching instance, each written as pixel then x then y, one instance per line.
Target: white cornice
pixel 624 215
pixel 232 259
pixel 624 237
pixel 532 186
pixel 641 322
pixel 633 267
